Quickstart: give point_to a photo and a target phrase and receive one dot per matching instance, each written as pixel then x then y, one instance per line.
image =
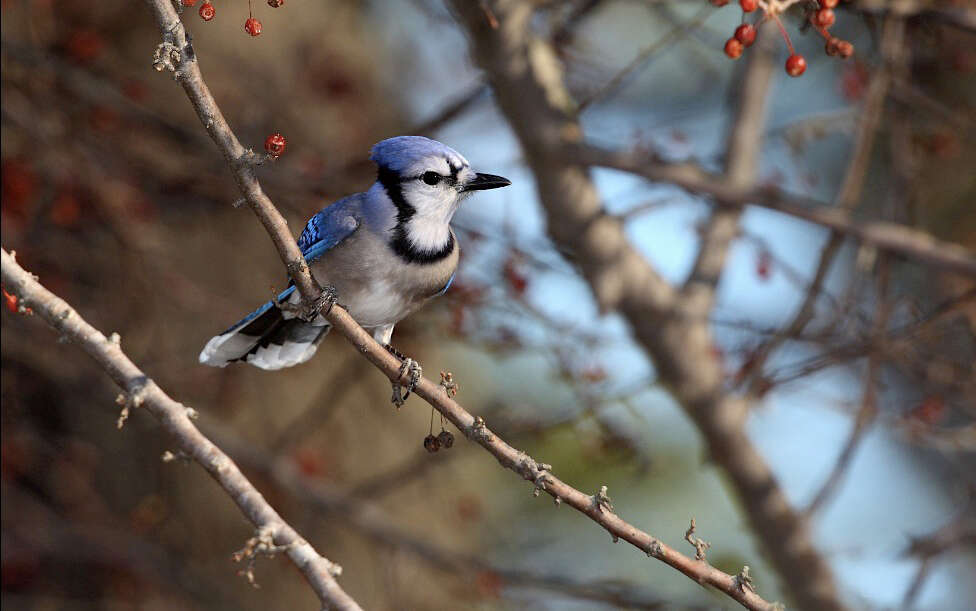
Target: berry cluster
pixel 821 15
pixel 443 440
pixel 252 26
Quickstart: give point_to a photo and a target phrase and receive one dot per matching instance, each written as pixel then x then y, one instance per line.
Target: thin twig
pixel 141 391
pixel 869 409
pixel 188 74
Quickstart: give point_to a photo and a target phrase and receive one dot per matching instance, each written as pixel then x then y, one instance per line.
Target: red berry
pixel 10 301
pixel 824 18
pixel 275 144
pixel 796 65
pixel 277 3
pixel 733 48
pixel 831 47
pixel 828 3
pixel 746 34
pixel 845 49
pixel 207 11
pixel 189 2
pixel 749 5
pixel 252 26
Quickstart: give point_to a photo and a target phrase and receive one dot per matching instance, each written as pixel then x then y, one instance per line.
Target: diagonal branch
pixel 529 90
pixel 898 239
pixel 742 162
pixel 140 390
pixel 183 64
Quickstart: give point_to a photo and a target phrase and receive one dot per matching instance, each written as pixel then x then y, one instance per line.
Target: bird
pixel 384 252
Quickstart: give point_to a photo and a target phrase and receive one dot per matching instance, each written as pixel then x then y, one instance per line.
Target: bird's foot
pixel 412 370
pixel 322 304
pixel 394 352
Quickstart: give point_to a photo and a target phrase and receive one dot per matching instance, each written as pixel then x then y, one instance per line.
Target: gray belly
pixel 376 286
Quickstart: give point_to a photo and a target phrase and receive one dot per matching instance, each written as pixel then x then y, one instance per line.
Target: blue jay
pixel 386 252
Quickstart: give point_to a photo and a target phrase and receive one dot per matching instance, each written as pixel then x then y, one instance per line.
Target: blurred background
pixel 116 198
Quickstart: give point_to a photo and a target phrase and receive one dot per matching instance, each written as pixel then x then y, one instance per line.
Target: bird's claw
pixel 394 352
pixel 412 369
pixel 325 301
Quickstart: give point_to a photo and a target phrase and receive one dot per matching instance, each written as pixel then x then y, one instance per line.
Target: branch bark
pixel 140 390
pixel 529 90
pixel 184 66
pixel 893 237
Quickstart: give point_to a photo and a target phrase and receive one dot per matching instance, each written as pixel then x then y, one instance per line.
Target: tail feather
pixel 267 338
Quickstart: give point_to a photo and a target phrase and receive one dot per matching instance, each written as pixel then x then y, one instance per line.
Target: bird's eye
pixel 431 178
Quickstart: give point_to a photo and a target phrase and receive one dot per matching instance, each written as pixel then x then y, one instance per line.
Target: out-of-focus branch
pixel 742 162
pixel 178 56
pixel 374 523
pixel 869 409
pixel 958 532
pixel 898 239
pixel 140 390
pixel 849 194
pixel 529 89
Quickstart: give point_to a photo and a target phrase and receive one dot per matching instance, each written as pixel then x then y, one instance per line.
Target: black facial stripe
pixel 408 252
pixel 393 184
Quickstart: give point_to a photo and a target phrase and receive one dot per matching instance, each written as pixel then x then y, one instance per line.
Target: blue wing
pixel 326 230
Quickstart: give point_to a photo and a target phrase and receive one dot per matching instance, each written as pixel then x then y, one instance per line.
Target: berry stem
pixel 786 36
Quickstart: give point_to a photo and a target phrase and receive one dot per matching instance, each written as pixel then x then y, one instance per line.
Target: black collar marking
pixel 392 183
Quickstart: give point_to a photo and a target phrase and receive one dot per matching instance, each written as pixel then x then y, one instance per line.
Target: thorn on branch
pixel 602 500
pixel 451 387
pixel 655 550
pixel 128 401
pixel 478 431
pixel 179 455
pixel 262 543
pixel 541 478
pixel 743 581
pixel 701 546
pixel 167 57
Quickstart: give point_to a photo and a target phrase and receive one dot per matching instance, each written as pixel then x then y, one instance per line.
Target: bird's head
pixel 427 180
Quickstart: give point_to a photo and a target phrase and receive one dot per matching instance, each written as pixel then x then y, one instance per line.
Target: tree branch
pixel 142 391
pixel 895 238
pixel 186 71
pixel 527 80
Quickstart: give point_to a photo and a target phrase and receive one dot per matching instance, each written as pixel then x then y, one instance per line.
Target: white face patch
pixel 428 229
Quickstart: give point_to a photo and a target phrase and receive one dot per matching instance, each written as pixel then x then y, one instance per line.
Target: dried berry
pixel 252 26
pixel 275 144
pixel 431 444
pixel 845 49
pixel 831 47
pixel 207 11
pixel 275 3
pixel 446 439
pixel 796 65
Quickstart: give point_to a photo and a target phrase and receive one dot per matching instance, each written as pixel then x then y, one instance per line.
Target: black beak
pixel 486 181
